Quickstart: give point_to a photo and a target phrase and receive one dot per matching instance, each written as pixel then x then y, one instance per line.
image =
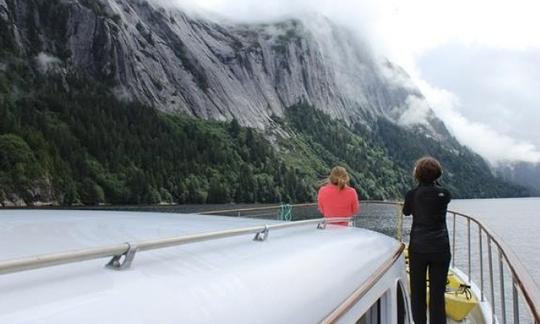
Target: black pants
pixel 438 264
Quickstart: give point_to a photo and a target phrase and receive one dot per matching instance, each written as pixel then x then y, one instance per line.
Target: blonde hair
pixel 339 177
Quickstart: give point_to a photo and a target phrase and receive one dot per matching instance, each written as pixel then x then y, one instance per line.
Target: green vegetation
pixel 18 165
pixel 94 148
pixel 319 143
pixel 466 174
pixel 380 160
pixel 91 148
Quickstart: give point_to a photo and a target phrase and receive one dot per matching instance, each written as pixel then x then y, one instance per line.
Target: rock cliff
pixel 215 70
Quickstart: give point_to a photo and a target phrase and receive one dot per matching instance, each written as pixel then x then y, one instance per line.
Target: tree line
pixel 69 139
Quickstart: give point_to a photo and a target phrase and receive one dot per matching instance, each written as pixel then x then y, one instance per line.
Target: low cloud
pixel 486 141
pixel 417 111
pixel 46 62
pixel 496 87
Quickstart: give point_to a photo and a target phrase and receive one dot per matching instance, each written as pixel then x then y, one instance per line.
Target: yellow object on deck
pixel 458 297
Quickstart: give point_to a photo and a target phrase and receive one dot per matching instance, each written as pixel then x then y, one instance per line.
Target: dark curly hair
pixel 427 170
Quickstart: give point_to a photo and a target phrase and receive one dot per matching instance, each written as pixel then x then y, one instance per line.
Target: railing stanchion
pixel 481 264
pixel 469 248
pixel 491 281
pixel 400 223
pixel 515 302
pixel 454 242
pixel 501 283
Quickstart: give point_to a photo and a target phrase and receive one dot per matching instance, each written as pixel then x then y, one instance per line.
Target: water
pixel 516 221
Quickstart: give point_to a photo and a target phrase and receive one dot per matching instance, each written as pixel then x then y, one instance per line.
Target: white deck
pixel 297 276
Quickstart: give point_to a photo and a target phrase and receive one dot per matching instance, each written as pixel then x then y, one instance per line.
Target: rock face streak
pixel 183 63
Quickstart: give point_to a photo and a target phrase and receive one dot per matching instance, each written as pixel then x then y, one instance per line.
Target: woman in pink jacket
pixel 336 198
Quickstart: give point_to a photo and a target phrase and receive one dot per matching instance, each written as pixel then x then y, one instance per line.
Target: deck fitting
pixel 262 235
pixel 322 225
pixel 123 261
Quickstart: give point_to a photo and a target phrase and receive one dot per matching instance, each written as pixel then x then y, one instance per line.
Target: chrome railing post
pixel 469 248
pixel 491 281
pixel 501 282
pixel 454 242
pixel 481 264
pixel 515 302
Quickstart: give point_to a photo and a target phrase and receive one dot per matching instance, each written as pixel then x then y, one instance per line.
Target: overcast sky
pixel 477 61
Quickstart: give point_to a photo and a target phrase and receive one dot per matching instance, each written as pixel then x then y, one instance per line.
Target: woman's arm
pixel 448 195
pixel 355 205
pixel 408 205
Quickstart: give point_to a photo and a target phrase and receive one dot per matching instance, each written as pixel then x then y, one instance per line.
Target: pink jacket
pixel 338 203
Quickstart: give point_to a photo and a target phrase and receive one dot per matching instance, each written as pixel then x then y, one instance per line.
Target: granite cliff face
pixel 167 59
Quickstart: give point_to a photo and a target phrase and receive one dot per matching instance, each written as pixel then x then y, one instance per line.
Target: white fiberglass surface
pixel 298 275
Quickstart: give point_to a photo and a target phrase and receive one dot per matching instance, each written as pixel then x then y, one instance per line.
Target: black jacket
pixel 428 203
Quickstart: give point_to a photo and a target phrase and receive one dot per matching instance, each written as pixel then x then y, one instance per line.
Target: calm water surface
pixel 516 221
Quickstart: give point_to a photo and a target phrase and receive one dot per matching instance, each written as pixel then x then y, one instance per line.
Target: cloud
pixel 417 111
pixel 355 14
pixel 46 62
pixel 498 87
pixel 484 140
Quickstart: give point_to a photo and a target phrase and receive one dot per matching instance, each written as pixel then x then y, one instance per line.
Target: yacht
pixel 264 265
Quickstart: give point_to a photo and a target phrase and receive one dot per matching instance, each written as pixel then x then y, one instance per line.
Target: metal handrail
pixel 522 280
pixel 218 212
pixel 128 249
pixel 361 291
pixel 520 276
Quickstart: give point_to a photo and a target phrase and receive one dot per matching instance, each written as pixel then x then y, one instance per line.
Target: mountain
pixel 130 102
pixel 168 60
pixel 526 174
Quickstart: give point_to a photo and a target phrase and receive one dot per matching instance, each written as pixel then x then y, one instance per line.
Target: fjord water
pixel 516 221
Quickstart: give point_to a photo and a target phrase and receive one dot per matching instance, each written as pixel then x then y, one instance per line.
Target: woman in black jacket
pixel 429 247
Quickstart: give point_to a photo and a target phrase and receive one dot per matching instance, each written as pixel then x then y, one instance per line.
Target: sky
pixel 476 61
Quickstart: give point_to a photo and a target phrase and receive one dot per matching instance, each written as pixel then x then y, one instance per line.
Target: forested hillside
pixel 381 158
pixel 83 145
